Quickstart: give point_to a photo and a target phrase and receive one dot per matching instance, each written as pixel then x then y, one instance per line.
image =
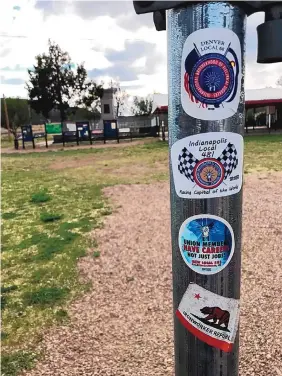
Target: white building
pixel 108 105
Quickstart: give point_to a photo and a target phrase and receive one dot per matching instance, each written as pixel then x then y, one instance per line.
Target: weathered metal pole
pixel 206 51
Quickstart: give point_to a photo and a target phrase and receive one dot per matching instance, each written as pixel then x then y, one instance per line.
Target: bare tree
pixel 142 106
pixel 120 97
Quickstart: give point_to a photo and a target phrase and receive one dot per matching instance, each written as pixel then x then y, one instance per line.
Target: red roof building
pixel 263 108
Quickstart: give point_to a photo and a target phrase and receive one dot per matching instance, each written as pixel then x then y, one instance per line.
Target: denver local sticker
pixel 208 165
pixel 211 74
pixel 206 243
pixel 210 317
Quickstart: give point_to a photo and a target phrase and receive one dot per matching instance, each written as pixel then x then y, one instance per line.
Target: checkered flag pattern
pixel 186 163
pixel 228 159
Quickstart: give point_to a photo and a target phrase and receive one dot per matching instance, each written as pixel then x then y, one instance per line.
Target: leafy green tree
pixel 142 106
pixel 53 84
pixel 18 114
pixel 90 99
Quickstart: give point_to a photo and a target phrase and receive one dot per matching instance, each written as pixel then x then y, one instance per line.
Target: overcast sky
pixel 108 36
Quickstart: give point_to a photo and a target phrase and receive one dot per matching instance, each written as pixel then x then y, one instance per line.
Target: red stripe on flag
pixel 224 346
pixel 186 87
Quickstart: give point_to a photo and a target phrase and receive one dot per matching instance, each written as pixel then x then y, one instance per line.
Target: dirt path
pixel 123 326
pixel 72 146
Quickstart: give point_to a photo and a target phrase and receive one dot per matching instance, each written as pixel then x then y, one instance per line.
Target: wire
pixel 90 39
pixel 13 36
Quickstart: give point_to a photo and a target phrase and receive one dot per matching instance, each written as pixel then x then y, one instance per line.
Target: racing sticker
pixel 210 317
pixel 208 165
pixel 206 243
pixel 211 74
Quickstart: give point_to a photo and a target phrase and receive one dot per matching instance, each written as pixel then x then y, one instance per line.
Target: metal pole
pixel 193 356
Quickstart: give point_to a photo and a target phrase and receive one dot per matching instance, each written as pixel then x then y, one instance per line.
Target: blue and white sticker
pixel 208 165
pixel 211 73
pixel 206 243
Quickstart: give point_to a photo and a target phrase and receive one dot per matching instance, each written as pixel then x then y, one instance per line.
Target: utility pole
pixel 7 117
pixel 206 70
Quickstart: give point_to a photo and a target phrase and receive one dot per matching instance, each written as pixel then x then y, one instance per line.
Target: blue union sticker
pixel 206 243
pixel 211 73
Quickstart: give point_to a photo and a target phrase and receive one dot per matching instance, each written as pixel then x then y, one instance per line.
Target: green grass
pixel 263 153
pixel 44 296
pixel 50 217
pixel 19 360
pixel 5 143
pixel 96 254
pixel 9 215
pixel 40 197
pixel 50 202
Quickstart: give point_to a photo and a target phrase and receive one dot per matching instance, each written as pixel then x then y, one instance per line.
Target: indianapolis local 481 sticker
pixel 210 317
pixel 211 74
pixel 206 243
pixel 208 165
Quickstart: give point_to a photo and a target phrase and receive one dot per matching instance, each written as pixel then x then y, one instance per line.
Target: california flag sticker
pixel 210 317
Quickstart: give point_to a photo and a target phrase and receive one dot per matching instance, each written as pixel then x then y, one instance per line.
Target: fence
pixel 136 121
pixel 83 131
pixel 97 135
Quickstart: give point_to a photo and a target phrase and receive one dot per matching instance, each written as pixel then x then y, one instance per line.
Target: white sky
pixel 71 31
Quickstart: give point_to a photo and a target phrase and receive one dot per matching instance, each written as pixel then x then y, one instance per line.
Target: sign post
pixel 206 70
pixel 206 117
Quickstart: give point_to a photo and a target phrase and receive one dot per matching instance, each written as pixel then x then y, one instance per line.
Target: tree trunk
pixel 59 93
pixel 16 143
pixel 62 113
pixel 117 109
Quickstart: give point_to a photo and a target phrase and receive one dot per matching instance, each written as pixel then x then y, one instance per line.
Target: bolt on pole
pixel 213 22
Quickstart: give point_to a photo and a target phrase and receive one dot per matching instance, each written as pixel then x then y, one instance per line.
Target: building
pixel 108 105
pixel 263 108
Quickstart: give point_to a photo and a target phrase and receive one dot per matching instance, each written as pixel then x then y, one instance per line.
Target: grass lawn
pixel 50 202
pixel 263 153
pixel 5 143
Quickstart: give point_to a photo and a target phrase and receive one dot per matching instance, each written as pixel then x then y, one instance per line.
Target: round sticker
pixel 212 79
pixel 206 243
pixel 208 173
pixel 211 74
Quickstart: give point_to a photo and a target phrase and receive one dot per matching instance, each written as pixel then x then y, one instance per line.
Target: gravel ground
pixel 123 326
